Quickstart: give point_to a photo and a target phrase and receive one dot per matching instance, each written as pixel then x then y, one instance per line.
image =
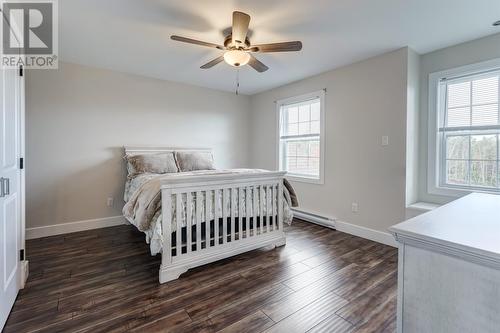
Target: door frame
pixel 24 264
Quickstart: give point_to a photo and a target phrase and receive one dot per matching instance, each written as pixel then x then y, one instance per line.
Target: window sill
pixel 302 179
pixel 423 206
pixel 458 192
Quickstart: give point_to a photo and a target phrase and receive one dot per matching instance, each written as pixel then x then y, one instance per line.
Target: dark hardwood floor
pixel 105 281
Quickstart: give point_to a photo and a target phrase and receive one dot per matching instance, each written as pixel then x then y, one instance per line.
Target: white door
pixel 10 190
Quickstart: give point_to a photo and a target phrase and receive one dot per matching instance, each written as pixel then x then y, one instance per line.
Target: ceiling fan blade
pixel 212 63
pixel 197 42
pixel 240 27
pixel 257 65
pixel 278 47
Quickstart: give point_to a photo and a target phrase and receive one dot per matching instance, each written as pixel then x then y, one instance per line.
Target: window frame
pixel 300 99
pixel 436 183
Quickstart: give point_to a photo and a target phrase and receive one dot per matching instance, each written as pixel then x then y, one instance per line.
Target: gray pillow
pixel 151 163
pixel 191 161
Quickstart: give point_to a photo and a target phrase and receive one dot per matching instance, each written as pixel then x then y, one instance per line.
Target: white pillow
pixel 192 161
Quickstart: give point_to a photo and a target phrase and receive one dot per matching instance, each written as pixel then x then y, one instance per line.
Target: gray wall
pixel 364 101
pixel 78 118
pixel 455 56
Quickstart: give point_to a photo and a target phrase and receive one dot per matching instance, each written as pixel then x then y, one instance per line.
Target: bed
pixel 193 214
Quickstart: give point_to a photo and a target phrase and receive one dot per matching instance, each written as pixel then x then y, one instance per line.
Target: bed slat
pixel 273 207
pixel 262 209
pixel 178 233
pixel 189 216
pixel 198 221
pixel 240 210
pixel 248 207
pixel 232 212
pixel 216 216
pixel 268 206
pixel 207 218
pixel 224 215
pixel 255 211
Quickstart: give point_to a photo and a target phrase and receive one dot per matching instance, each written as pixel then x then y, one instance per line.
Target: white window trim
pixel 434 150
pixel 297 99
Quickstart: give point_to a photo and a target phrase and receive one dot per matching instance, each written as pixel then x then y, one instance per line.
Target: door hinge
pixel 21 163
pixel 21 255
pixel 21 70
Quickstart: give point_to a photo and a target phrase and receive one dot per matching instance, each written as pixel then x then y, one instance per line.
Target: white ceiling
pixel 133 35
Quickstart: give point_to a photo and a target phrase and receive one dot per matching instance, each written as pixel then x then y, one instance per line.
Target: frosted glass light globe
pixel 236 58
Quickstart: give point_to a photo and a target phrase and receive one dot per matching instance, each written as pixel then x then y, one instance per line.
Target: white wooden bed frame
pixel 229 243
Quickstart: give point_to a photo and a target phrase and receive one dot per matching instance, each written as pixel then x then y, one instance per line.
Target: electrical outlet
pixel 385 140
pixel 354 207
pixel 110 202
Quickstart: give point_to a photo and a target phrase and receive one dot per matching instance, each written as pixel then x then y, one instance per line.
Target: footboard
pixel 211 217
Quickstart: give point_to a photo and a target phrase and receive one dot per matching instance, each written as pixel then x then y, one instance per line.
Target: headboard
pixel 139 150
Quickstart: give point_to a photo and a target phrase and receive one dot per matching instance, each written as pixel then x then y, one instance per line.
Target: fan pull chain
pixel 237 81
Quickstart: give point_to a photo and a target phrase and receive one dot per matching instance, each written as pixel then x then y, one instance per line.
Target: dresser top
pixel 470 224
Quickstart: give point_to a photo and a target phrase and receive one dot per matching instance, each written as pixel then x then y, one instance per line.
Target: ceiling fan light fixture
pixel 236 58
pixel 237 46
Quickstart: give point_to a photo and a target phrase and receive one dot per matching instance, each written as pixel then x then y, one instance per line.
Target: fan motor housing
pixel 228 42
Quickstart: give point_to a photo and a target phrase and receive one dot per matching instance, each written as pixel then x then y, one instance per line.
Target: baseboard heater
pixel 348 228
pixel 314 218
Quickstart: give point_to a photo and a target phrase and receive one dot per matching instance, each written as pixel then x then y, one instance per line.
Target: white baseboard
pixel 371 234
pixel 352 229
pixel 65 228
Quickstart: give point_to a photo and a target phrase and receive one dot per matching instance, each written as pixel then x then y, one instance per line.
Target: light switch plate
pixel 385 140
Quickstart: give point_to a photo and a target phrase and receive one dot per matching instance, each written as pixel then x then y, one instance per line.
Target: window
pixel 468 131
pixel 301 146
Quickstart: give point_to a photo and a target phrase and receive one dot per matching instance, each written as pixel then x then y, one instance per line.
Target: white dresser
pixel 449 268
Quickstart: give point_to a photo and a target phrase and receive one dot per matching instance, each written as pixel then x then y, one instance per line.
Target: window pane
pixel 304 113
pixel 302 157
pixel 458 117
pixel 456 172
pixel 484 147
pixel 293 115
pixel 485 115
pixel 291 163
pixel 459 94
pixel 302 148
pixel 457 147
pixel 314 149
pixel 315 111
pixel 293 129
pixel 291 148
pixel 485 91
pixel 483 173
pixel 304 128
pixel 313 166
pixel 315 127
pixel 301 164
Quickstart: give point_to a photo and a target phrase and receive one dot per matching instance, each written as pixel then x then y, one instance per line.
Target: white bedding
pixel 153 227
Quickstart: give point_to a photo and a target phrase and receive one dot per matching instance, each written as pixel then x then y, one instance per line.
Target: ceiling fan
pixel 237 46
